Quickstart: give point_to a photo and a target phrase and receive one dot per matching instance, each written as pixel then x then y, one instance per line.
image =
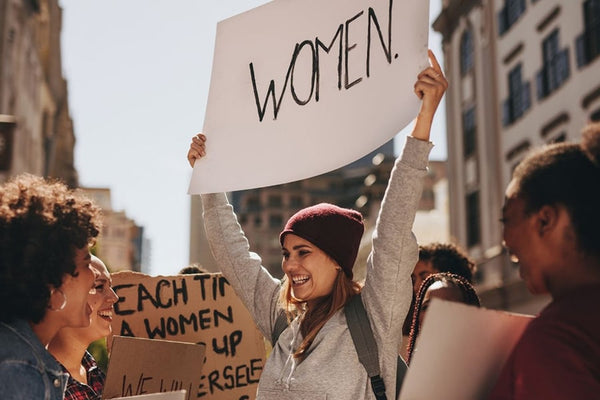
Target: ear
pixel 546 219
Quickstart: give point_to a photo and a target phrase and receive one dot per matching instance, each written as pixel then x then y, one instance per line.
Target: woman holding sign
pixel 314 356
pixel 551 219
pixel 69 346
pixel 45 280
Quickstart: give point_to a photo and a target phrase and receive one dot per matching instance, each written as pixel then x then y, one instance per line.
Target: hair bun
pixel 590 142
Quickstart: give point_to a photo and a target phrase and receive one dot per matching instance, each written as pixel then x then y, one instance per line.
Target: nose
pixel 112 296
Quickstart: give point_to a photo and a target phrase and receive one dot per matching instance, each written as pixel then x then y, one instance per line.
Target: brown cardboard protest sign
pixel 140 366
pixel 201 308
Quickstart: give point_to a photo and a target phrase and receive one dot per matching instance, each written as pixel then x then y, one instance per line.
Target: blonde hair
pixel 313 319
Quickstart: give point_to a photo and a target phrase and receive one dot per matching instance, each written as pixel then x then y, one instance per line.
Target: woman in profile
pixel 69 346
pixel 45 280
pixel 551 219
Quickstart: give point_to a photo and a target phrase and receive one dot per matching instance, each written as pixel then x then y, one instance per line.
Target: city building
pixel 121 244
pixel 36 130
pixel 523 73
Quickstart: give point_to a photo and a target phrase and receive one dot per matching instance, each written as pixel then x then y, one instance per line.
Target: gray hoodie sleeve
pixel 257 289
pixel 388 288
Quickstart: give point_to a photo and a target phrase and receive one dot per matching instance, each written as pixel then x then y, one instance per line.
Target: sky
pixel 138 73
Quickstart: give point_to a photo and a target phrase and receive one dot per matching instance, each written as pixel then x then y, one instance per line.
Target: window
pixel 519 99
pixel 588 43
pixel 296 202
pixel 275 221
pixel 469 132
pixel 473 219
pixel 555 70
pixel 275 201
pixel 509 14
pixel 253 203
pixel 466 53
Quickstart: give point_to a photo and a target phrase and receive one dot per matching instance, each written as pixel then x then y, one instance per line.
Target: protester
pixel 315 356
pixel 551 219
pixel 193 269
pixel 69 346
pixel 434 258
pixel 45 280
pixel 441 257
pixel 445 286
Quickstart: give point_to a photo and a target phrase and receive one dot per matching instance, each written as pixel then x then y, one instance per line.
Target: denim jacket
pixel 27 370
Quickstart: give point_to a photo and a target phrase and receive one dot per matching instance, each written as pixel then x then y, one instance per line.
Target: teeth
pixel 300 279
pixel 105 314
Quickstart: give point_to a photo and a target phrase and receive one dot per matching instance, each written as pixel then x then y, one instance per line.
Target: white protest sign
pixel 199 308
pixel 462 349
pixel 178 395
pixel 302 87
pixel 139 366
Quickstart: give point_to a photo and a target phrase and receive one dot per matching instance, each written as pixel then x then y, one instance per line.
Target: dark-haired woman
pixel 45 281
pixel 551 221
pixel 315 357
pixel 445 286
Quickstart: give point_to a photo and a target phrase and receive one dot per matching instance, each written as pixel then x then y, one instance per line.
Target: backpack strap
pixel 364 342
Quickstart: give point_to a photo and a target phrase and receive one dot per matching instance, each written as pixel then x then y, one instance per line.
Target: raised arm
pixel 252 283
pixel 388 287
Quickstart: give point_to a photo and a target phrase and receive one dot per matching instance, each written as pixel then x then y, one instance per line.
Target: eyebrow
pixel 296 247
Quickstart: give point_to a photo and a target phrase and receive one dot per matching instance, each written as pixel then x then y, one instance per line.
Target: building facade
pixel 121 243
pixel 524 73
pixel 36 130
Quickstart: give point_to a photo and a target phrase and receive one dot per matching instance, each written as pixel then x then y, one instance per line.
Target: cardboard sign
pixel 462 349
pixel 178 395
pixel 201 308
pixel 302 87
pixel 139 366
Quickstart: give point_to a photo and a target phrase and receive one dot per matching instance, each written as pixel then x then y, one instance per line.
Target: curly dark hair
pixel 566 174
pixel 469 297
pixel 447 257
pixel 42 223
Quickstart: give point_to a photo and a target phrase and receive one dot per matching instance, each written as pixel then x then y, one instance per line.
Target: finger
pixel 430 72
pixel 434 62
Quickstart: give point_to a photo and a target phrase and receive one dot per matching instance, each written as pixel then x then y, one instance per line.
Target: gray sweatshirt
pixel 331 369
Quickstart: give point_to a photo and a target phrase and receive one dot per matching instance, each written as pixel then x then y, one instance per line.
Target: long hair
pixel 313 318
pixel 468 293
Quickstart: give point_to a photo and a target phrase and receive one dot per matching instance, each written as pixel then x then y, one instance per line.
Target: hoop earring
pixel 64 303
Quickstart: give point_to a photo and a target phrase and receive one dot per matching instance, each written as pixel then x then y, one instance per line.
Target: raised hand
pixel 197 148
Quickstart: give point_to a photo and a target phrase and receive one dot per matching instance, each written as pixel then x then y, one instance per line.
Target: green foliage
pixel 100 353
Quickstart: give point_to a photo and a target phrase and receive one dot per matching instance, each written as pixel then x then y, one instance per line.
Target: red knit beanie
pixel 335 230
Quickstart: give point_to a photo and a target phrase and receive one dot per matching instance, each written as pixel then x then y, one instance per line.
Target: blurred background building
pixel 36 129
pixel 543 58
pixel 121 243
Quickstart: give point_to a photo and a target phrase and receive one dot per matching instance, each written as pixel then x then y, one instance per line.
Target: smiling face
pixel 102 302
pixel 76 289
pixel 310 271
pixel 523 242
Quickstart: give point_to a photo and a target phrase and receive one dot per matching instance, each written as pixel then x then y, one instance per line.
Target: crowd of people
pixel 57 298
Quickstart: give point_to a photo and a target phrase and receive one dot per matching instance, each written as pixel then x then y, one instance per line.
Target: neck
pixel 582 271
pixel 68 349
pixel 45 331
